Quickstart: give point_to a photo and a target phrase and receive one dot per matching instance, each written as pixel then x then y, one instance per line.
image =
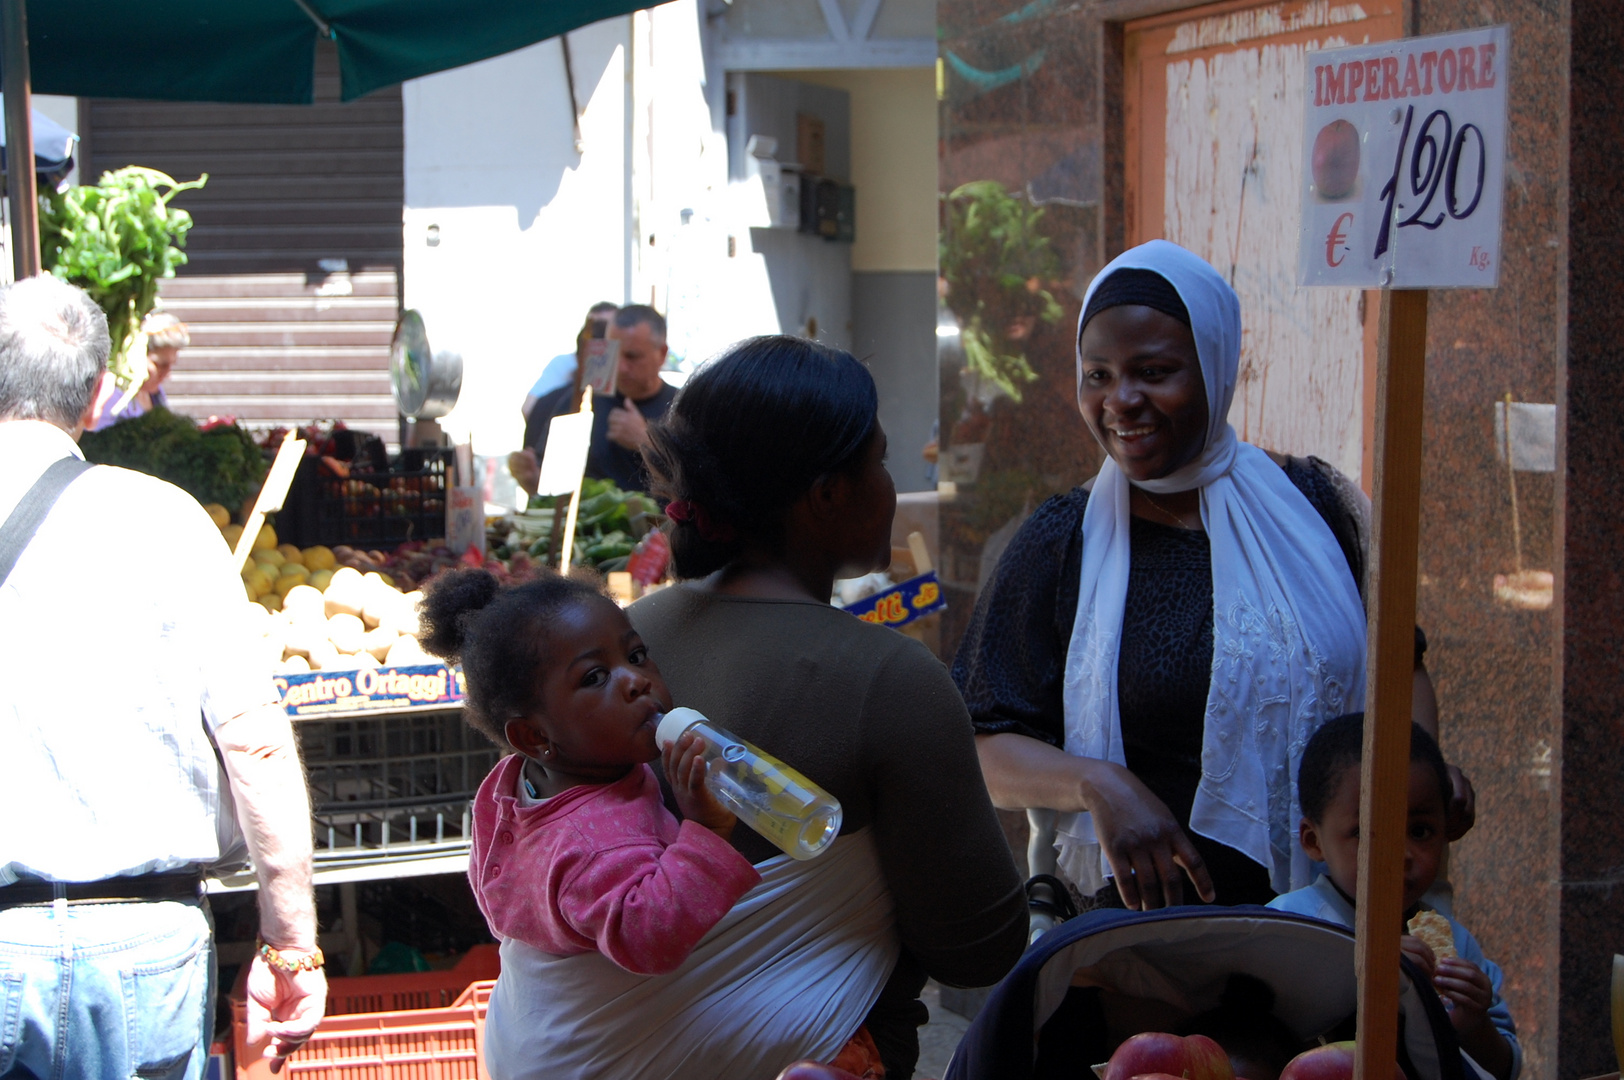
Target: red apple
pixel 1146 1053
pixel 1336 160
pixel 1206 1060
pixel 1156 1052
pixel 814 1070
pixel 1333 1061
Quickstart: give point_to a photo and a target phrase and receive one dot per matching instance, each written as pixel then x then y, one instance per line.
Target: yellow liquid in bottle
pixel 769 796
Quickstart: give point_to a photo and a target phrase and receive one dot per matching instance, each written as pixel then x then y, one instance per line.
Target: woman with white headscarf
pixel 1157 646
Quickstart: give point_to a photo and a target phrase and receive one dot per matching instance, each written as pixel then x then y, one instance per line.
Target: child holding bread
pixel 1328 789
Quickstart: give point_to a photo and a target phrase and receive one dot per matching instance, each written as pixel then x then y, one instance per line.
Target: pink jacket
pixel 600 867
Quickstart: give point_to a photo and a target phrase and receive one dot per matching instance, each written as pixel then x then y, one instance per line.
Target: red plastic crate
pixel 426 1025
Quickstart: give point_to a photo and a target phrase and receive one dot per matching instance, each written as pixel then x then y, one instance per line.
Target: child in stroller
pixel 1328 788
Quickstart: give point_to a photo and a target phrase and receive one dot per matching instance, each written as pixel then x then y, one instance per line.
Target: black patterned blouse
pixel 1011 662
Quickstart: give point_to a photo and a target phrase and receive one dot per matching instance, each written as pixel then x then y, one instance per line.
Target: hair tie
pixel 683 511
pixel 1131 285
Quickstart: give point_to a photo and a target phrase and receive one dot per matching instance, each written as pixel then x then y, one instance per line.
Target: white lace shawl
pixel 1288 625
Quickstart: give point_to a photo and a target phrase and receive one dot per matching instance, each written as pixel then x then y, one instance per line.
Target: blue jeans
pixel 103 991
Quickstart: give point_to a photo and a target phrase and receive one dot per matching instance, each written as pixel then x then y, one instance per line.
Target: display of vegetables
pixel 608 525
pixel 116 240
pixel 216 463
pixel 340 608
pixel 318 615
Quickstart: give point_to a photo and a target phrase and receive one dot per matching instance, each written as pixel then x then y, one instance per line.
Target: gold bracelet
pixel 273 956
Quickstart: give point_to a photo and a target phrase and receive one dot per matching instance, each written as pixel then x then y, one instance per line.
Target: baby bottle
pixel 767 795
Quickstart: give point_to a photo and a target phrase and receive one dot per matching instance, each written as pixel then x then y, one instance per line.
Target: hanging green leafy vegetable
pixel 116 240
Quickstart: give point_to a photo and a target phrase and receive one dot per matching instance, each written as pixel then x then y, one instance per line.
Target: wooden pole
pixel 20 181
pixel 568 551
pixel 272 494
pixel 1384 791
pixel 1511 479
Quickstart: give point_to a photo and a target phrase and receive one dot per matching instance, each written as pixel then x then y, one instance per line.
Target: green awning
pixel 263 50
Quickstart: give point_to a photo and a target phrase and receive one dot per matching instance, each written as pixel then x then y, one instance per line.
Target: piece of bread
pixel 1434 929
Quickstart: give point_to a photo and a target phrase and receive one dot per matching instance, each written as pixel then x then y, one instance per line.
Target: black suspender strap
pixel 33 508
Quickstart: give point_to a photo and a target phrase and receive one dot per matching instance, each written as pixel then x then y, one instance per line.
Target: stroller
pixel 1088 984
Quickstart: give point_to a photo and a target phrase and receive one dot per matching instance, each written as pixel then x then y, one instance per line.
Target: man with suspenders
pixel 143 743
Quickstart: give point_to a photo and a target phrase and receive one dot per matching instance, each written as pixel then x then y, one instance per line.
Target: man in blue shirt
pixel 620 420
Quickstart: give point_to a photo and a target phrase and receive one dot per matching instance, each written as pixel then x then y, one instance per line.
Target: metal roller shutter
pixel 293 286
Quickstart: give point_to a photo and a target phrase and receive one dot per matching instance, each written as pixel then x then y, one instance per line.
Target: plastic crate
pixel 423 1026
pixel 394 779
pixel 413 990
pixel 369 510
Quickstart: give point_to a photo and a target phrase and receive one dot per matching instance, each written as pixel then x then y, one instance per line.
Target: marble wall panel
pixel 1492 662
pixel 1590 530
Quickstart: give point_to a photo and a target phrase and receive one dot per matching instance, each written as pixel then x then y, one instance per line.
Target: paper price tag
pixel 569 438
pixel 602 368
pixel 1404 163
pixel 465 520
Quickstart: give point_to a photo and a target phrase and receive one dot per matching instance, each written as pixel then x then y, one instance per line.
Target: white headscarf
pixel 1288 625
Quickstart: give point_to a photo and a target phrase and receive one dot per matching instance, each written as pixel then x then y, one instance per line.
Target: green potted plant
pixel 996 261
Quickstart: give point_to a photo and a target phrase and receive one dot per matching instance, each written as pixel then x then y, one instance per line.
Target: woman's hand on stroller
pixel 1148 851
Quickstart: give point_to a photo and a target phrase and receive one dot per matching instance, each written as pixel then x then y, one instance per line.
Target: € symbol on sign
pixel 1335 239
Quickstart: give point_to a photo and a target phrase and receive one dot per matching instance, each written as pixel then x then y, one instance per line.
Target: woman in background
pixel 166 337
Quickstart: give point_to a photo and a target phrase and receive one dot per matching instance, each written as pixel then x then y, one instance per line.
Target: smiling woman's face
pixel 1142 393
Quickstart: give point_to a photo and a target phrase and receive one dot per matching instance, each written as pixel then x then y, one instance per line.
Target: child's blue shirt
pixel 1321 900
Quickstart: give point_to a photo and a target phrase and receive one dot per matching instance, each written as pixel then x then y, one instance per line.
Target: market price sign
pixel 1404 163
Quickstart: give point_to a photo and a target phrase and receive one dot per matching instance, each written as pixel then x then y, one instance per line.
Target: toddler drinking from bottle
pixel 573 849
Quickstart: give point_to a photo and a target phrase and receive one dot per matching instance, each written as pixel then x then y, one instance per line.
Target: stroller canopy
pixel 1160 969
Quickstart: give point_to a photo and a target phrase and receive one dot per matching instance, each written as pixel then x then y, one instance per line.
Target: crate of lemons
pixel 315 615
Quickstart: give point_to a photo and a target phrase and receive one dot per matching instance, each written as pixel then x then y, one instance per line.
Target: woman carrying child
pixel 1468 981
pixel 772 461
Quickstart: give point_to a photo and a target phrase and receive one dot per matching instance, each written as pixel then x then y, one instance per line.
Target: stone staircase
pixel 286 349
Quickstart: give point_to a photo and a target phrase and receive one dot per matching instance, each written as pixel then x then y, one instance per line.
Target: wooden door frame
pixel 1113 17
pixel 1136 200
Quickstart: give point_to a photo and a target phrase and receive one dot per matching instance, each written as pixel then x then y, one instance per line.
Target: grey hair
pixel 53 350
pixel 633 314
